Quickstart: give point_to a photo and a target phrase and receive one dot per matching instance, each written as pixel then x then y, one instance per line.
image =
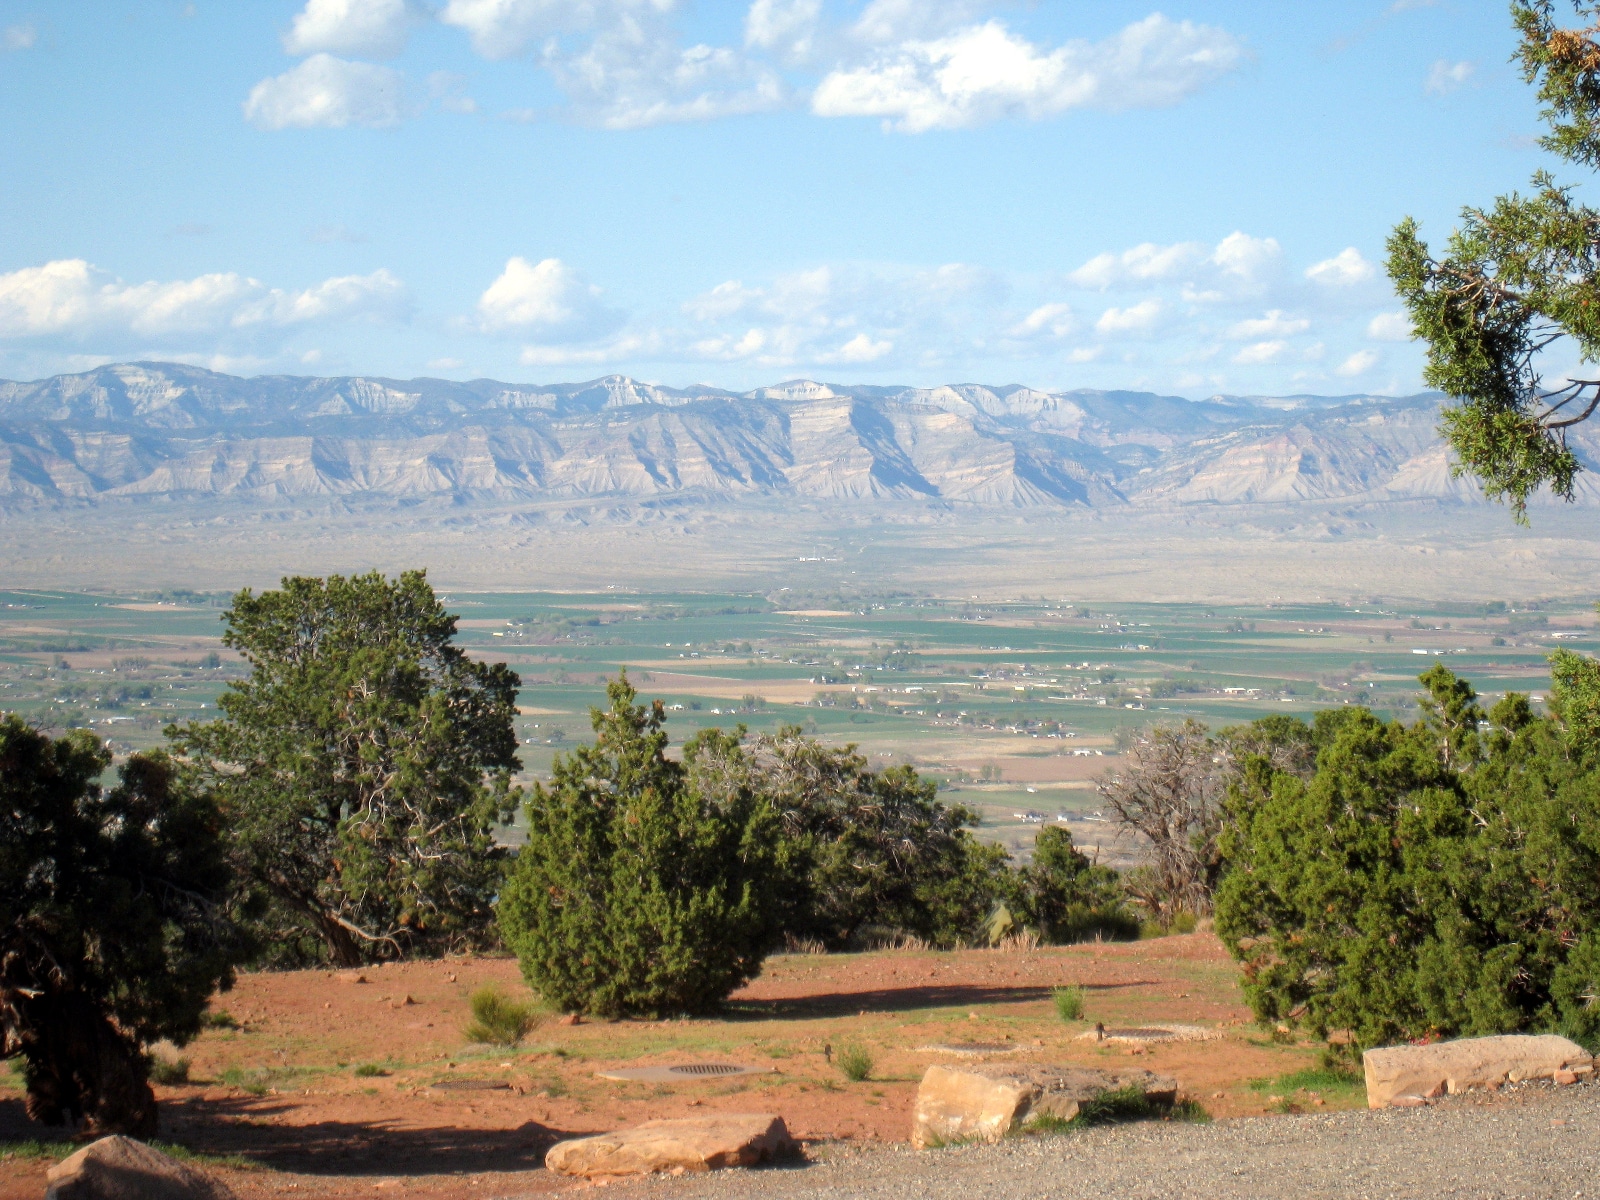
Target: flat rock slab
pixel 971 1049
pixel 684 1073
pixel 984 1102
pixel 1148 1034
pixel 120 1168
pixel 705 1143
pixel 1408 1075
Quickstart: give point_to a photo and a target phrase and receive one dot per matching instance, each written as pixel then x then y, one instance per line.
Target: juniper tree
pixel 113 928
pixel 1517 283
pixel 364 767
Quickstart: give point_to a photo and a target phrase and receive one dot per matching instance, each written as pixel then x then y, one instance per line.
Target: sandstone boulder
pixel 119 1168
pixel 691 1144
pixel 1398 1075
pixel 985 1102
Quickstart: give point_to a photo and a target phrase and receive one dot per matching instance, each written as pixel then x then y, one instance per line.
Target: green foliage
pixel 1068 1002
pixel 169 1072
pixel 364 767
pixel 1068 898
pixel 855 1062
pixel 879 853
pixel 499 1020
pixel 1515 280
pixel 646 886
pixel 1428 880
pixel 112 931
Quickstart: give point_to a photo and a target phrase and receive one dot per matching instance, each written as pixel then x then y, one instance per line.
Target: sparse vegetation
pixel 499 1020
pixel 855 1063
pixel 170 1072
pixel 1068 1002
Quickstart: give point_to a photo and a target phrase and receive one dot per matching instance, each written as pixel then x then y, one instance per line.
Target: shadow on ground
pixel 843 1004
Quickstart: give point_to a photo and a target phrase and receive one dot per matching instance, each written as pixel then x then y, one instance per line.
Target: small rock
pixel 705 1143
pixel 984 1103
pixel 570 1019
pixel 1565 1078
pixel 120 1168
pixel 350 977
pixel 1407 1102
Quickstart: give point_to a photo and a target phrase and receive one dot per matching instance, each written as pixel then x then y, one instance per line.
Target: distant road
pixel 1530 1143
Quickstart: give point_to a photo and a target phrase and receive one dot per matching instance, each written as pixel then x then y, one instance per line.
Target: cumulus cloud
pixel 1344 269
pixel 72 298
pixel 633 74
pixel 859 349
pixel 19 37
pixel 330 92
pixel 1358 363
pixel 1137 318
pixel 1445 77
pixel 985 72
pixel 1273 324
pixel 547 301
pixel 1144 263
pixel 505 28
pixel 373 28
pixel 1260 353
pixel 787 28
pixel 1247 259
pixel 1048 320
pixel 1390 327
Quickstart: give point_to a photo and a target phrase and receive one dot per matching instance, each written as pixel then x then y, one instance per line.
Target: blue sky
pixel 1191 198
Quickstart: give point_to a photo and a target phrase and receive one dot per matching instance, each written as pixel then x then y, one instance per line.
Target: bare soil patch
pixel 334 1088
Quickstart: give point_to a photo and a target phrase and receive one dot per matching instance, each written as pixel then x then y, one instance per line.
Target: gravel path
pixel 1531 1142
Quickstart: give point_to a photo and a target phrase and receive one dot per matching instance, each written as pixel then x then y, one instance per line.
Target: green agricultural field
pixel 1014 707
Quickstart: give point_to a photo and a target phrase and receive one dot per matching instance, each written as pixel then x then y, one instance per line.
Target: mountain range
pixel 148 430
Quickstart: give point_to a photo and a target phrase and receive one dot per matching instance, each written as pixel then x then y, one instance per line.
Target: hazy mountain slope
pixel 159 430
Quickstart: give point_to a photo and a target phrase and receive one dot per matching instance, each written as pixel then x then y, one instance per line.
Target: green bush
pixel 1068 1002
pixel 170 1072
pixel 1434 879
pixel 499 1020
pixel 855 1062
pixel 369 1071
pixel 1068 897
pixel 646 886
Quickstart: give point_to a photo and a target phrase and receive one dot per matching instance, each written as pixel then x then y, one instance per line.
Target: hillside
pixel 144 431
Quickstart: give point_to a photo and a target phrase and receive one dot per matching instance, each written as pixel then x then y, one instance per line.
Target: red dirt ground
pixel 282 1090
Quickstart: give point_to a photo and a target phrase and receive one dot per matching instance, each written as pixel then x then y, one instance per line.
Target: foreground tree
pixel 364 768
pixel 1516 280
pixel 1069 898
pixel 112 926
pixel 878 850
pixel 647 886
pixel 1433 879
pixel 1169 793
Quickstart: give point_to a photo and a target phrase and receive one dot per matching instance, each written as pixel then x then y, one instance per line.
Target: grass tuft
pixel 1069 1003
pixel 498 1020
pixel 221 1019
pixel 855 1062
pixel 1118 1108
pixel 369 1071
pixel 169 1072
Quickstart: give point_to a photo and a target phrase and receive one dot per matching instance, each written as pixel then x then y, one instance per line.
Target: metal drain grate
pixel 709 1069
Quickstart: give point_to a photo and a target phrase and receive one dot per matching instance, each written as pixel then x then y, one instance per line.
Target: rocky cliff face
pixel 145 430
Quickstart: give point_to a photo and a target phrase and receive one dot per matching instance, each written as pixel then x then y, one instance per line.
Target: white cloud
pixel 505 28
pixel 1390 327
pixel 547 301
pixel 19 37
pixel 1142 264
pixel 1261 352
pixel 1357 364
pixel 1445 77
pixel 985 72
pixel 1344 269
pixel 70 297
pixel 859 349
pixel 722 301
pixel 1048 320
pixel 1247 259
pixel 633 75
pixel 1138 318
pixel 331 92
pixel 787 28
pixel 373 28
pixel 1273 324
